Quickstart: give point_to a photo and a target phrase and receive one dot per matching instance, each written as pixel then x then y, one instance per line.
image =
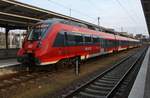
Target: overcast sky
pixel 117 14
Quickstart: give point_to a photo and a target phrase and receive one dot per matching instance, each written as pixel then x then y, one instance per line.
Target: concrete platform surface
pixel 8 62
pixel 147 83
pixel 141 87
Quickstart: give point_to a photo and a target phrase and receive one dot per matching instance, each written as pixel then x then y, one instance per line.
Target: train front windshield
pixel 38 31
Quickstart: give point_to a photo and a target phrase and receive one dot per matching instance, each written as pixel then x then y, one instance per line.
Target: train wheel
pixel 56 66
pixel 115 51
pixel 25 67
pixel 31 67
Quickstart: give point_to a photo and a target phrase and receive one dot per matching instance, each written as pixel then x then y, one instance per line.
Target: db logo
pixel 29 46
pixel 88 48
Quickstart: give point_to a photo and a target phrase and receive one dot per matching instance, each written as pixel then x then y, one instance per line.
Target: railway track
pixel 112 82
pixel 16 79
pixel 22 77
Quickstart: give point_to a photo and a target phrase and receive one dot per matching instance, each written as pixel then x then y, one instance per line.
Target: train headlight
pixel 29 51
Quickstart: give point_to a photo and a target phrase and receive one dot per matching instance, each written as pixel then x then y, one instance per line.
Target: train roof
pixel 105 33
pixel 125 38
pixel 70 22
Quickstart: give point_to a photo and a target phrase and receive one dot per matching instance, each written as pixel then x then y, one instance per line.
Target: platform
pixel 141 87
pixel 8 53
pixel 8 62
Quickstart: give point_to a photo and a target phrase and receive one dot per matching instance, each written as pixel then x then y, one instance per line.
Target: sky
pixel 121 15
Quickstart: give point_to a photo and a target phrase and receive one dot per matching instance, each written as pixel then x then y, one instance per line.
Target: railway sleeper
pixel 99 87
pixel 107 81
pixel 110 79
pixel 118 93
pixel 23 77
pixel 114 74
pixel 97 92
pixel 16 79
pixel 122 88
pixel 104 85
pixel 7 82
pixel 87 95
pixel 1 85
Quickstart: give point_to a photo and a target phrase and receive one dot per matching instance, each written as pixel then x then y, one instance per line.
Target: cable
pixel 93 4
pixel 58 4
pixel 135 13
pixel 90 2
pixel 126 11
pixel 81 13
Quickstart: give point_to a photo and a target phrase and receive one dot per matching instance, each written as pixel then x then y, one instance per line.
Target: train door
pixel 66 44
pixel 59 43
pixel 101 45
pixel 116 43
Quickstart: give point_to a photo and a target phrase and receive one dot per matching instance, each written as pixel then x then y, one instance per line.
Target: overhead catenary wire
pixel 72 10
pixel 95 7
pixel 134 21
pixel 133 11
pixel 132 18
pixel 127 12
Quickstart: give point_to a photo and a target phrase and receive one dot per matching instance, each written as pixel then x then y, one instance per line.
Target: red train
pixel 56 40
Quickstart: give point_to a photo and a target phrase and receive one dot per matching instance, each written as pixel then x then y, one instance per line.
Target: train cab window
pixel 59 40
pixel 38 31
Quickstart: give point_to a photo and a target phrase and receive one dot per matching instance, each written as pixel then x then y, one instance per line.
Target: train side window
pixel 59 40
pixel 88 39
pixel 95 39
pixel 104 43
pixel 117 42
pixel 101 42
pixel 110 43
pixel 113 43
pixel 70 39
pixel 79 39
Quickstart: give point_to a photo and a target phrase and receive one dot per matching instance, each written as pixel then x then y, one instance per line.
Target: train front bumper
pixel 28 59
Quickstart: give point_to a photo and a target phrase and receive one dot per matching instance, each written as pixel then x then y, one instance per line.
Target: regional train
pixel 58 40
